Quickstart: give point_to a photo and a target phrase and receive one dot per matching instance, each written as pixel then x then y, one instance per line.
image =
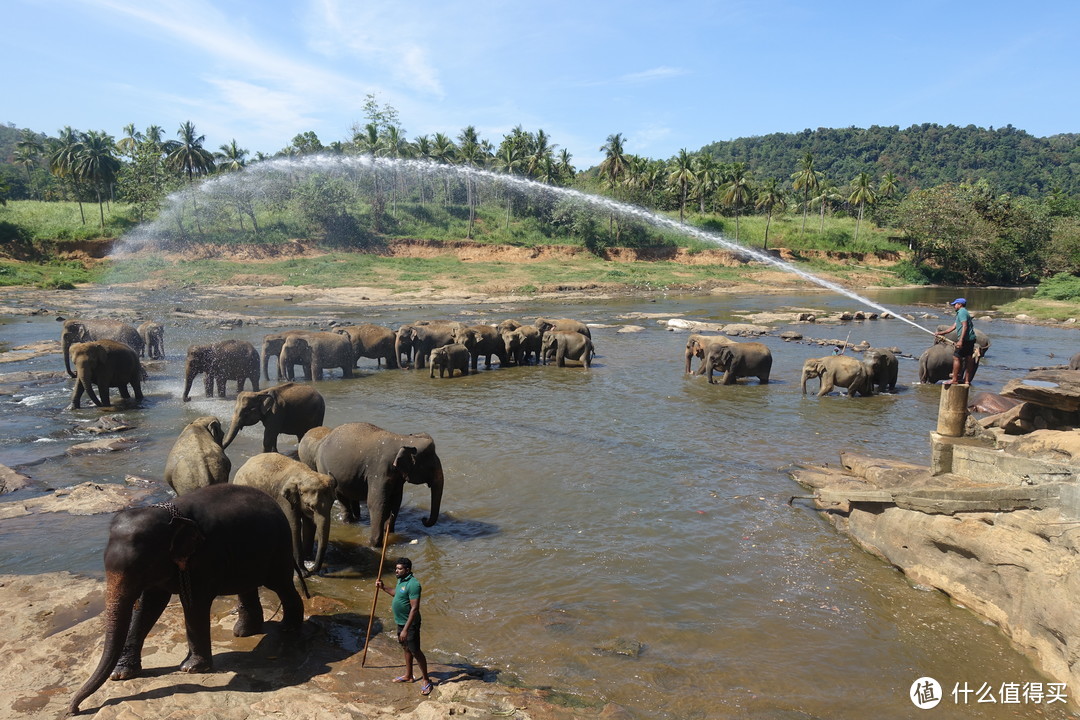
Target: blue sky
pixel 667 75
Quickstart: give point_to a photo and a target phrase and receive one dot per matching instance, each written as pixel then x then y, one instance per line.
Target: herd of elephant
pixel 878 367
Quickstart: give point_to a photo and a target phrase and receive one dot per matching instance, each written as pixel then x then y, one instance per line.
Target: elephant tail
pixel 300 575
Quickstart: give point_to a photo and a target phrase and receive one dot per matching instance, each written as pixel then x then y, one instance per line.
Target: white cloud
pixel 658 73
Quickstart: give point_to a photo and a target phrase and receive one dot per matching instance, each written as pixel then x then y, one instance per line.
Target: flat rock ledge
pixel 1001 546
pixel 52 635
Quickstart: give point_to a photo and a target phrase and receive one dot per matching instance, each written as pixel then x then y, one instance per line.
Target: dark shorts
pixel 412 638
pixel 966 349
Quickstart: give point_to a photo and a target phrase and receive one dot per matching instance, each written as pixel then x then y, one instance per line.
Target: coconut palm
pixel 28 148
pixel 806 179
pixel 63 153
pixel 862 194
pixel 738 190
pixel 770 197
pixel 130 142
pixel 187 155
pixel 470 152
pixel 97 165
pixel 614 163
pixel 828 195
pixel 566 169
pixel 681 176
pixel 231 157
pixel 443 152
pixel 888 186
pixel 708 175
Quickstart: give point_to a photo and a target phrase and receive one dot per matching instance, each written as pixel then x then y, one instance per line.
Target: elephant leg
pixel 269 439
pixel 103 392
pixel 729 377
pixel 197 625
pixel 826 385
pixel 208 385
pixel 148 609
pixel 249 613
pixel 292 606
pixel 124 392
pixel 136 387
pixel 307 539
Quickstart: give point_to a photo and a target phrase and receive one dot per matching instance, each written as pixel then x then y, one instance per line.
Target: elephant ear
pixel 267 403
pixel 186 540
pixel 405 459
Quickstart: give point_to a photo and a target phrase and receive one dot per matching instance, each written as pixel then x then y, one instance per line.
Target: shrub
pixel 1063 286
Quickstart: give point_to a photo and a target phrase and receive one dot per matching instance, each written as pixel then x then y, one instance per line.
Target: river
pixel 619 534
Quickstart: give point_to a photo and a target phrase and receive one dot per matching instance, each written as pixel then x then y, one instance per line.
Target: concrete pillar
pixel 952 410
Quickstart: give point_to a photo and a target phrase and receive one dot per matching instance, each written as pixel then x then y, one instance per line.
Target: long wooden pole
pixel 374 600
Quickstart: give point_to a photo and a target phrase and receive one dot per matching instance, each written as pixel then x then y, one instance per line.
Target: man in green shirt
pixel 964 352
pixel 406 608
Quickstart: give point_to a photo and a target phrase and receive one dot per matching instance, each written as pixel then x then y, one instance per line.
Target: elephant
pixel 449 358
pixel 936 362
pixel 153 337
pixel 289 408
pixel 373 464
pixel 220 362
pixel 566 324
pixel 1074 362
pixel 317 352
pixel 883 368
pixel 77 331
pixel 982 340
pixel 217 540
pixel 838 370
pixel 304 495
pixel 508 325
pixel 417 340
pixel 271 348
pixel 521 344
pixel 697 344
pixel 197 458
pixel 482 340
pixel 107 364
pixel 309 444
pixel 738 359
pixel 566 345
pixel 372 341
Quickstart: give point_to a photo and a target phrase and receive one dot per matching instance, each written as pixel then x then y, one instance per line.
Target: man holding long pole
pixel 406 608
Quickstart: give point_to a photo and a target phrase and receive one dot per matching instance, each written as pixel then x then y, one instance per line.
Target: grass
pixel 1042 309
pixel 60 221
pixel 58 274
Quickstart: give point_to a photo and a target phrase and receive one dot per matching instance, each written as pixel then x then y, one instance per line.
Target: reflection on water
pixel 620 534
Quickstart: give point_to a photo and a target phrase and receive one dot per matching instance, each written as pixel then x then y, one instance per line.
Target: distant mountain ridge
pixel 922 156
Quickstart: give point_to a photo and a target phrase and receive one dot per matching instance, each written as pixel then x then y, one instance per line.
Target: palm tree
pixel 130 142
pixel 28 148
pixel 738 190
pixel 566 169
pixel 63 156
pixel 707 178
pixel 828 194
pixel 682 176
pixel 862 194
pixel 188 156
pixel 470 152
pixel 231 157
pixel 806 179
pixel 614 164
pixel 96 164
pixel 509 160
pixel 889 185
pixel 770 197
pixel 443 152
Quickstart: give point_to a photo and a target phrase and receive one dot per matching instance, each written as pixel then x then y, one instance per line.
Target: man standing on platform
pixel 964 366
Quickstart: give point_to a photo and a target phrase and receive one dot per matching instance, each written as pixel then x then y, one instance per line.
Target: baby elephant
pixel 305 496
pixel 838 370
pixel 197 458
pixel 449 358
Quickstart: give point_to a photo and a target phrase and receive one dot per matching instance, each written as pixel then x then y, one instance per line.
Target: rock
pixel 846 316
pixel 691 325
pixel 745 330
pixel 10 481
pixel 807 317
pixel 107 424
pixel 621 646
pixel 789 335
pixel 89 498
pixel 102 445
pixel 1059 389
pixel 987 402
pixel 630 329
pixel 1022 316
pixel 1057 444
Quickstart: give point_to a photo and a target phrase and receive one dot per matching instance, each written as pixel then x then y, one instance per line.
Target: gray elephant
pixel 304 495
pixel 482 341
pixel 316 352
pixel 309 444
pixel 936 363
pixel 736 360
pixel 289 408
pixel 883 367
pixel 416 341
pixel 153 337
pixel 220 362
pixel 982 340
pixel 78 331
pixel 838 371
pixel 217 540
pixel 197 458
pixel 1074 362
pixel 522 344
pixel 545 325
pixel 271 348
pixel 107 364
pixel 697 344
pixel 563 345
pixel 449 358
pixel 508 324
pixel 373 464
pixel 372 341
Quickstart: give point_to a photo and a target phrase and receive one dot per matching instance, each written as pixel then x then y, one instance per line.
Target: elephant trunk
pixel 436 495
pixel 266 363
pixel 236 426
pixel 67 356
pixel 322 536
pixel 119 602
pixel 88 386
pixel 805 377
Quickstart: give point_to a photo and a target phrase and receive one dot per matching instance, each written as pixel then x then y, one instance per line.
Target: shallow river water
pixel 618 534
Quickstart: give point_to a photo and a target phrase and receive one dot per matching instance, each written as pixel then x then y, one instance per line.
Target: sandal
pixel 404 678
pixel 426 690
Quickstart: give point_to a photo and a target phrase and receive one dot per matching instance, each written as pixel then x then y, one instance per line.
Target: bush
pixel 1063 286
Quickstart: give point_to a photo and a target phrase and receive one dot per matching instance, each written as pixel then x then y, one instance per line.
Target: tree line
pixel 958 230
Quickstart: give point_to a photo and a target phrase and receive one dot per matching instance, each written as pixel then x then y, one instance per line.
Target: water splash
pixel 274 179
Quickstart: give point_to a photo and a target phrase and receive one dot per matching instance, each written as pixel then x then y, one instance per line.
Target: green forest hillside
pixel 921 156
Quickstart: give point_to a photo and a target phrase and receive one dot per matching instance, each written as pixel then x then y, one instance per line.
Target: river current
pixel 618 534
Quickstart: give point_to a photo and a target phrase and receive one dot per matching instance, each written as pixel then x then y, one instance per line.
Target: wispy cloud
pixel 657 74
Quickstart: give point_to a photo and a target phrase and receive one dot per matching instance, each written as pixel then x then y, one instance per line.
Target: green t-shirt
pixel 408 588
pixel 962 316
